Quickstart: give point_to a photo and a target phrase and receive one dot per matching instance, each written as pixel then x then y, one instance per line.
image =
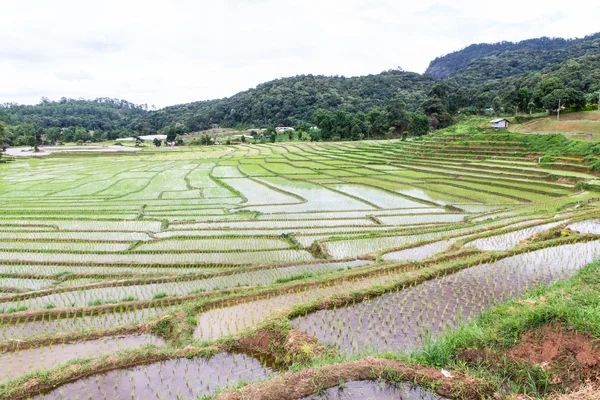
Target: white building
pixel 147 138
pixel 281 129
pixel 499 123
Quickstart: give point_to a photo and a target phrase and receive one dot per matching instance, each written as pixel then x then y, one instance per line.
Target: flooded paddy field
pixel 404 319
pixel 169 248
pixel 178 378
pixel 15 364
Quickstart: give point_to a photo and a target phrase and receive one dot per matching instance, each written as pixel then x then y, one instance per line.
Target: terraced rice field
pixel 144 274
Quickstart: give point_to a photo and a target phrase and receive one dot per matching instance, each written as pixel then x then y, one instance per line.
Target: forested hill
pixel 289 101
pixel 100 115
pixel 527 76
pixel 499 60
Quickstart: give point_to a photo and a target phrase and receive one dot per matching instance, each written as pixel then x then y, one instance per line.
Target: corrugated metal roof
pixel 498 120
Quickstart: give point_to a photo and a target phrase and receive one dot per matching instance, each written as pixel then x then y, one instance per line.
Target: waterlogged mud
pixel 79 324
pixel 509 240
pixel 590 226
pixel 220 322
pixel 82 298
pixel 421 252
pixel 374 390
pixel 23 362
pixel 171 379
pixel 25 284
pixel 402 320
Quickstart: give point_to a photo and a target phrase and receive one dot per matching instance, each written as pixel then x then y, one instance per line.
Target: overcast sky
pixel 175 51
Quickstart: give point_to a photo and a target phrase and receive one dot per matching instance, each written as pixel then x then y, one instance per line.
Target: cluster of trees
pixel 73 120
pixel 575 82
pixel 392 121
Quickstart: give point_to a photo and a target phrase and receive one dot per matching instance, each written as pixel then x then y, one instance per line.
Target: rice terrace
pixel 240 270
pixel 348 229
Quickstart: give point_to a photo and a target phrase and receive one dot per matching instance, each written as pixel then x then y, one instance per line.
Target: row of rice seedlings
pixel 57 246
pixel 76 235
pixel 25 283
pixel 589 226
pixel 216 244
pixel 119 294
pixel 377 196
pixel 509 240
pixel 59 270
pixel 94 225
pixel 224 321
pixel 422 219
pixel 23 362
pixel 473 194
pixel 239 257
pixel 170 379
pixel 318 198
pixel 270 231
pixel 92 321
pixel 258 193
pixel 257 224
pixel 356 247
pixel 27 228
pixel 226 172
pixel 421 252
pixel 166 180
pixel 85 281
pixel 402 320
pixel 350 214
pixel 209 212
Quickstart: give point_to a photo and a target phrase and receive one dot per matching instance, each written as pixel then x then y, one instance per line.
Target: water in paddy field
pixel 170 379
pixel 590 226
pixel 374 390
pixel 402 320
pixel 81 298
pixel 224 321
pixel 88 323
pixel 509 240
pixel 23 362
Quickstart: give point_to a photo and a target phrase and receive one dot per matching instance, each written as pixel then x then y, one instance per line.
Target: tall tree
pixel 398 118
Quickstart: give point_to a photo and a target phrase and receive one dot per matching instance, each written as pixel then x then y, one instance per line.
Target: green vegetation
pixel 207 248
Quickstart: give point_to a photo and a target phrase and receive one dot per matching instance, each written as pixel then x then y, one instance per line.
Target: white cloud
pixel 169 52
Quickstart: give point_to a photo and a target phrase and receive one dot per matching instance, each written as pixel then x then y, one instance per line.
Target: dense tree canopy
pixel 481 62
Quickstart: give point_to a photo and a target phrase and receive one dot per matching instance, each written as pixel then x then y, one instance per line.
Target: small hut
pixel 499 123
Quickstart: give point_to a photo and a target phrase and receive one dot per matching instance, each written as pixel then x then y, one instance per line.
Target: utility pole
pixel 558 111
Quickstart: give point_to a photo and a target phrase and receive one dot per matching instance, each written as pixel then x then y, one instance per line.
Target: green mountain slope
pixel 480 62
pixel 290 100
